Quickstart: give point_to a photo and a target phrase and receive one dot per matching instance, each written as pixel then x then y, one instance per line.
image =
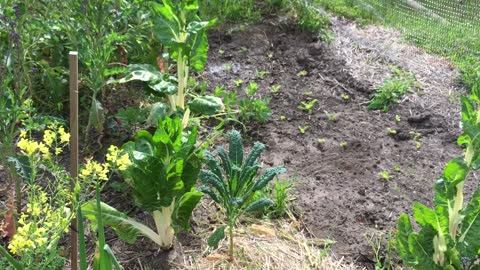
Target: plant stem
pixel 181 79
pixel 163 222
pixel 10 258
pixel 230 247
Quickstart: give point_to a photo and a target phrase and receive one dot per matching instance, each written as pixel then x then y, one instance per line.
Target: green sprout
pixel 343 144
pixel 307 106
pixel 283 117
pixel 385 175
pixel 397 168
pixel 302 73
pixel 238 83
pixel 221 52
pixel 260 74
pixel 275 89
pixel 397 118
pixel 391 131
pixel 321 140
pixel 303 129
pixel 331 116
pixel 345 96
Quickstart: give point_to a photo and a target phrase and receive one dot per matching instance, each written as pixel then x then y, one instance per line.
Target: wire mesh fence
pixel 442 26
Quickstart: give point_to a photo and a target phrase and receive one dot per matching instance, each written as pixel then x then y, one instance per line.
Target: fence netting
pixel 443 26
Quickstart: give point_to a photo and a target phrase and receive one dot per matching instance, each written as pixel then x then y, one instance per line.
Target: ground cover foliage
pixel 353 130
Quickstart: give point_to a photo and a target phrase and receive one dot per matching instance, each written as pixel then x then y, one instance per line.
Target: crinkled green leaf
pixel 258 205
pixel 209 178
pixel 267 177
pixel 216 237
pixel 158 110
pixel 469 242
pixel 206 105
pixel 235 150
pixel 185 208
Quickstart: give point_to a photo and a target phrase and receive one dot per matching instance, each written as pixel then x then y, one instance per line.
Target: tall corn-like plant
pixel 450 232
pixel 231 183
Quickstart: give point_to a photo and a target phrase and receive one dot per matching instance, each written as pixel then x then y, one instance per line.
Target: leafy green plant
pixel 232 181
pixel 449 232
pixel 162 176
pixel 280 193
pixel 302 73
pixel 238 82
pixel 307 105
pixel 254 108
pixel 180 30
pixel 345 97
pixel 260 74
pixel 275 89
pixel 332 117
pixel 385 175
pixel 392 90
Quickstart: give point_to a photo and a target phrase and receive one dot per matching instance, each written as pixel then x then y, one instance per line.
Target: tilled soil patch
pixel 340 192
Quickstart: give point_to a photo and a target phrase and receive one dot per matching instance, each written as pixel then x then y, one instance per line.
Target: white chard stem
pixel 163 222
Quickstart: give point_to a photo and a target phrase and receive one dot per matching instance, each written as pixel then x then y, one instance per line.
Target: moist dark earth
pixel 340 193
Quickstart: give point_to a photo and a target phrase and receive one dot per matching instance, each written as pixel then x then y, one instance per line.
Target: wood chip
pixel 215 257
pixel 262 230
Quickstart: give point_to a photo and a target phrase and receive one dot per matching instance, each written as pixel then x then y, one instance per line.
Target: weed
pixel 321 140
pixel 307 106
pixel 392 90
pixel 308 93
pixel 251 89
pixel 343 144
pixel 397 168
pixel 283 117
pixel 415 137
pixel 221 52
pixel 244 50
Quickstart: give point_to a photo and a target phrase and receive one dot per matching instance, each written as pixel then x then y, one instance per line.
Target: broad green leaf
pixel 235 150
pixel 113 218
pixel 160 84
pixel 158 110
pixel 468 110
pixel 469 241
pixel 185 208
pixel 437 218
pixel 167 24
pixel 421 247
pixel 97 116
pixel 216 237
pixel 258 205
pixel 206 105
pixel 198 51
pixel 404 229
pixel 22 166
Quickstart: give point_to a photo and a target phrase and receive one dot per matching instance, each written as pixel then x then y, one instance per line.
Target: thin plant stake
pixel 73 66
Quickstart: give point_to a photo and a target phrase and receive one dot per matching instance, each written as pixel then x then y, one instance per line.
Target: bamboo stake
pixel 73 66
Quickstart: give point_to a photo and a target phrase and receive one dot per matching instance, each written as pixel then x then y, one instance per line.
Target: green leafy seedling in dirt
pixel 302 73
pixel 307 106
pixel 303 129
pixel 162 178
pixel 238 83
pixel 449 235
pixel 385 175
pixel 275 89
pixel 231 182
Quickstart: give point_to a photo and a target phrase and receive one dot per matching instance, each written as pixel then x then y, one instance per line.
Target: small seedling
pixel 397 118
pixel 321 140
pixel 397 168
pixel 308 93
pixel 303 129
pixel 244 50
pixel 391 131
pixel 343 144
pixel 345 97
pixel 275 89
pixel 221 52
pixel 416 136
pixel 238 83
pixel 302 73
pixel 251 89
pixel 270 55
pixel 331 116
pixel 385 175
pixel 227 67
pixel 283 117
pixel 307 106
pixel 261 74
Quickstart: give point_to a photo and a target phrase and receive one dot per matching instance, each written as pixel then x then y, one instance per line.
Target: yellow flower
pixel 96 170
pixel 49 137
pixel 23 134
pixel 58 151
pixel 28 147
pixel 44 150
pixel 64 136
pixel 123 162
pixel 120 161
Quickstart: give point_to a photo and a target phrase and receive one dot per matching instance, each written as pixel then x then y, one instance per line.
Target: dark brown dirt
pixel 340 192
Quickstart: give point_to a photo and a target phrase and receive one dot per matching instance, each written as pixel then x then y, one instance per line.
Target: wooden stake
pixel 73 65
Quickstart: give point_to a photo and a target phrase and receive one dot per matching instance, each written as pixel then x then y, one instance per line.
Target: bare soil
pixel 340 193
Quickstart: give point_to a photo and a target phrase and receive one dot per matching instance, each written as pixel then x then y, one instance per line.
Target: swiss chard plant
pixel 162 175
pixel 232 181
pixel 178 27
pixel 449 236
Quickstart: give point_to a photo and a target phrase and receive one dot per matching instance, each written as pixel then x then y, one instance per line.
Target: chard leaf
pixel 216 237
pixel 161 84
pixel 235 150
pixel 167 25
pixel 437 218
pixel 117 220
pixel 97 116
pixel 158 110
pixel 199 49
pixel 185 208
pixel 469 242
pixel 404 229
pixel 421 247
pixel 206 105
pixel 258 205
